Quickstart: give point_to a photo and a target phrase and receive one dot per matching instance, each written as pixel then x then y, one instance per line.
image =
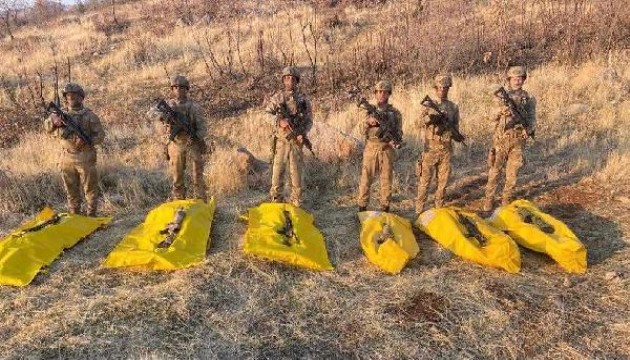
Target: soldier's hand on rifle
pixel 372 121
pixel 524 135
pixel 393 144
pixel 283 123
pixel 505 111
pixel 299 139
pixel 56 120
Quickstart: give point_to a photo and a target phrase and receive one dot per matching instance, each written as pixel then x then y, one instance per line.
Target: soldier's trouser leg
pixel 199 182
pixel 386 169
pixel 443 173
pixel 493 177
pixel 279 164
pixel 296 163
pixel 426 173
pixel 72 185
pixel 176 168
pixel 514 163
pixel 368 169
pixel 89 179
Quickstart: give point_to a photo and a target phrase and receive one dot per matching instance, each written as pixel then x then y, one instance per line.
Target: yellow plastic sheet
pixel 541 232
pixel 23 253
pixel 476 241
pixel 266 236
pixel 387 240
pixel 139 249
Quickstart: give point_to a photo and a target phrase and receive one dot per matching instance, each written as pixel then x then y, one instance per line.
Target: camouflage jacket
pixel 298 106
pixel 391 114
pixel 431 131
pixel 88 121
pixel 193 113
pixel 526 105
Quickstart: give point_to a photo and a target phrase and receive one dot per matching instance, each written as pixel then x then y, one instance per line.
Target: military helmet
pixel 515 71
pixel 180 80
pixel 73 88
pixel 384 85
pixel 291 71
pixel 443 80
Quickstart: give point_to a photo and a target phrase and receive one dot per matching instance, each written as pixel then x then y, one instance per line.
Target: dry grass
pixel 238 307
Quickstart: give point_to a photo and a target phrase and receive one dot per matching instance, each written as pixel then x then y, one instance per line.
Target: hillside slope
pixel 234 306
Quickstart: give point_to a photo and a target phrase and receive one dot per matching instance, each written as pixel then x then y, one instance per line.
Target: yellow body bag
pixel 284 233
pixel 141 247
pixel 387 240
pixel 541 232
pixel 38 242
pixel 471 238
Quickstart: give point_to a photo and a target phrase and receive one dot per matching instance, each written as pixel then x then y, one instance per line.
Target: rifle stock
pixel 68 123
pixel 386 131
pixel 178 122
pixel 517 118
pixel 283 112
pixel 441 121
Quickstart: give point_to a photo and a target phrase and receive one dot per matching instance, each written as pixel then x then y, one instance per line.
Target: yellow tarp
pixel 266 236
pixel 539 231
pixel 476 241
pixel 23 253
pixel 140 249
pixel 387 240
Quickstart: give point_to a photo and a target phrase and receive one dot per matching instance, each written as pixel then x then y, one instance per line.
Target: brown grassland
pixel 233 306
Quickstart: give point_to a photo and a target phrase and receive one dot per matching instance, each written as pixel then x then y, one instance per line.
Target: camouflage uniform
pixel 288 152
pixel 183 146
pixel 378 156
pixel 78 160
pixel 437 149
pixel 507 150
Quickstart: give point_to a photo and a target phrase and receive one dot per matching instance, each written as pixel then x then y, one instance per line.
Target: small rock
pixel 611 275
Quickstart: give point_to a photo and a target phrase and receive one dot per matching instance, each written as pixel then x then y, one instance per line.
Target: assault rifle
pixel 178 122
pixel 41 225
pixel 530 218
pixel 284 113
pixel 384 235
pixel 289 237
pixel 441 121
pixel 69 125
pixel 517 118
pixel 172 229
pixel 386 128
pixel 471 229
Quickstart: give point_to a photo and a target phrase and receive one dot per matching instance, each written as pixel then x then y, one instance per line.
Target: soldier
pixel 289 136
pixel 508 141
pixel 184 144
pixel 78 159
pixel 378 155
pixel 439 129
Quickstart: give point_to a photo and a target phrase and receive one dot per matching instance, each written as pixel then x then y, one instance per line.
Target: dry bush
pixel 235 306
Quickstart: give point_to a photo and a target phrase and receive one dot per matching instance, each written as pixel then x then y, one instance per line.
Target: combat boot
pixel 385 208
pixel 362 208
